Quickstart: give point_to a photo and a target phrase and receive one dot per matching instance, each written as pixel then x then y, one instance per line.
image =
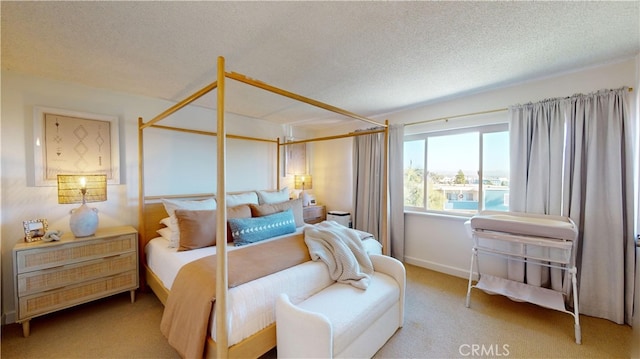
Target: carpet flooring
pixel 437 325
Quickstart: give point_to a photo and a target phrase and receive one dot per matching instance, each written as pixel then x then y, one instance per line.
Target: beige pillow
pixel 171 205
pixel 265 209
pixel 241 211
pixel 197 228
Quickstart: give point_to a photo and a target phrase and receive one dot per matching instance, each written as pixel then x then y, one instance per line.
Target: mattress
pixel 527 224
pixel 251 305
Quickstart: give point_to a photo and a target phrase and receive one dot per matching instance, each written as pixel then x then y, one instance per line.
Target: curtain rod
pixel 447 118
pixel 456 116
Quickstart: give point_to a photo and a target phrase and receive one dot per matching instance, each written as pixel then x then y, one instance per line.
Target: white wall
pixel 20 202
pixel 440 242
pixel 332 173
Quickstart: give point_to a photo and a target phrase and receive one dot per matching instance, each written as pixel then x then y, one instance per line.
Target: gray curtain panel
pixel 368 164
pixel 598 196
pixel 396 190
pixel 536 141
pixel 587 175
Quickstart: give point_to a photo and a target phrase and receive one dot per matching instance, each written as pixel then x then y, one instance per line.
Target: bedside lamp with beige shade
pixel 82 189
pixel 303 182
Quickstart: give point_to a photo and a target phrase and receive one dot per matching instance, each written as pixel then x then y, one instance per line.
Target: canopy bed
pixel 153 209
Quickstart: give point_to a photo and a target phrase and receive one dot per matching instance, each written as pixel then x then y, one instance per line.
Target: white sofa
pixel 342 321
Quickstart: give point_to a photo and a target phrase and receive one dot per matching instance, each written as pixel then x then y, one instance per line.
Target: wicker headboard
pixel 153 211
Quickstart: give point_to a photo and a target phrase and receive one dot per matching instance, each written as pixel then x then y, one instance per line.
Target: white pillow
pixel 170 205
pixel 269 197
pixel 165 233
pixel 167 222
pixel 242 198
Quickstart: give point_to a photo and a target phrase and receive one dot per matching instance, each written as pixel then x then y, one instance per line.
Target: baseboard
pixel 439 267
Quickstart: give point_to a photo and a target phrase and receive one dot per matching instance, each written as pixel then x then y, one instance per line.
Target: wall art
pixel 70 142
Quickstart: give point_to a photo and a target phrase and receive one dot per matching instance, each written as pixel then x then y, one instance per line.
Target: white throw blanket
pixel 341 249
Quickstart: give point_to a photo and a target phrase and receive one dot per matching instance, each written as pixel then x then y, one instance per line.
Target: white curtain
pixel 536 148
pixel 368 165
pixel 598 196
pixel 368 162
pixel 396 191
pixel 596 191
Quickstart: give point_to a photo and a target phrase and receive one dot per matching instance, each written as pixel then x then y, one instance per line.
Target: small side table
pixel 50 276
pixel 314 214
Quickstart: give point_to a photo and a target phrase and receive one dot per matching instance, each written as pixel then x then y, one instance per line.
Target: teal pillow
pixel 256 229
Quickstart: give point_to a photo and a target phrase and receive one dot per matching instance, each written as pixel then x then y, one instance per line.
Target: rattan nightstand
pixel 50 276
pixel 314 214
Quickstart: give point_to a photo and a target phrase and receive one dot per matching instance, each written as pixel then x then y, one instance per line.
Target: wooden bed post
pixel 385 195
pixel 141 226
pixel 222 338
pixel 278 164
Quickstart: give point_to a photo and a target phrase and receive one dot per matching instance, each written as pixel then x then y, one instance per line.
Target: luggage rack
pixel 527 248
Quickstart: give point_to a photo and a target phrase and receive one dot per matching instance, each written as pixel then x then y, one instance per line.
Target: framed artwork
pixel 34 229
pixel 295 159
pixel 70 142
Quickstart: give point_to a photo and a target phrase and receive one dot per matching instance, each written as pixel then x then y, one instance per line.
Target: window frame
pixel 481 130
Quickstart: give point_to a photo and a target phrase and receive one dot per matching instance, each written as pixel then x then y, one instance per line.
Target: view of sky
pixel 461 153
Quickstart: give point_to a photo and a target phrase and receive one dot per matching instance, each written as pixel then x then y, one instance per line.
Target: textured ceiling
pixel 371 58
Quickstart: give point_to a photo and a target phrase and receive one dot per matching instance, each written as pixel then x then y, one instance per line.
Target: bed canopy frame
pixel 222 349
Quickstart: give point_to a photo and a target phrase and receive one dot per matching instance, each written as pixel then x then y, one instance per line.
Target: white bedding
pixel 165 262
pixel 251 305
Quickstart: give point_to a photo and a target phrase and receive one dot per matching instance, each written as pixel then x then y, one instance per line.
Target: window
pixel 457 171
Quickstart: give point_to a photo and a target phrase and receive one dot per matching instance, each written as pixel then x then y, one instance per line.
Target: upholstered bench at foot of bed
pixel 341 320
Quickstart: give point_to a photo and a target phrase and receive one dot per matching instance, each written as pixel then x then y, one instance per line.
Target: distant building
pixel 466 197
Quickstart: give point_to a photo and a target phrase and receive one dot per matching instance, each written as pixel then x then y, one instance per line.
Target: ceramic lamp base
pixel 84 221
pixel 306 198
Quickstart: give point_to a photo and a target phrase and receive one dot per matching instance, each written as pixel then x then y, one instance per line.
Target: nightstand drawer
pixel 69 296
pixel 40 281
pixel 313 214
pixel 43 258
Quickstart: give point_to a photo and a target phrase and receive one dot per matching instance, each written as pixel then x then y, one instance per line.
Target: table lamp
pixel 303 182
pixel 82 189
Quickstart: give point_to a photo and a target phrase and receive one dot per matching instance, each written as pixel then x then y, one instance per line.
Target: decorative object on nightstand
pixel 303 182
pixel 50 276
pixel 313 214
pixel 82 189
pixel 35 229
